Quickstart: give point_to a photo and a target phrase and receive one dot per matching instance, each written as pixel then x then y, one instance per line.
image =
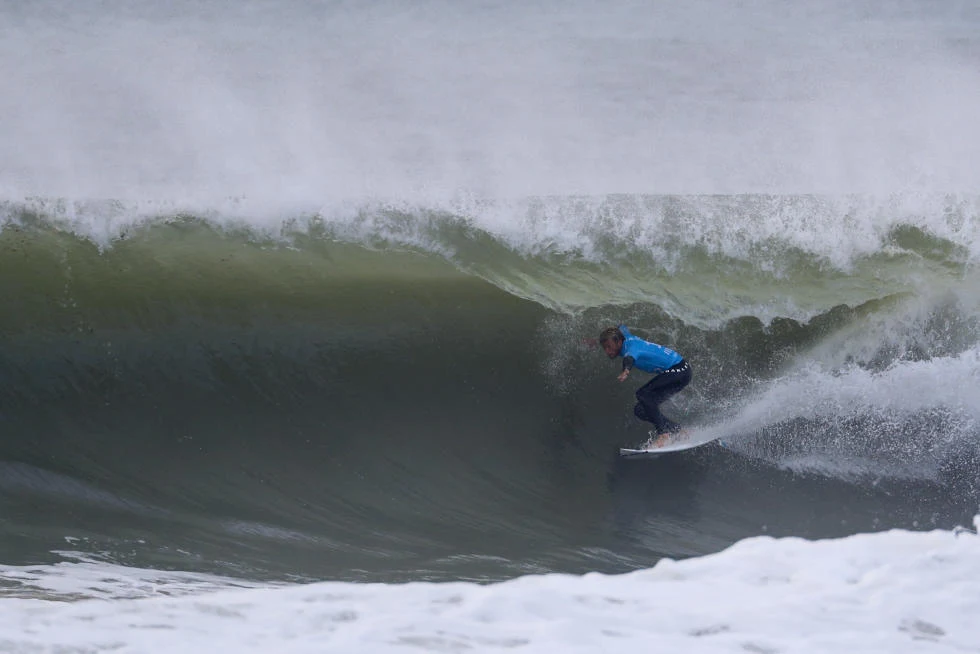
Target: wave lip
pixel 704 259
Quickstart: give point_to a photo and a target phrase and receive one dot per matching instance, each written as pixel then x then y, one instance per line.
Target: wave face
pixel 396 394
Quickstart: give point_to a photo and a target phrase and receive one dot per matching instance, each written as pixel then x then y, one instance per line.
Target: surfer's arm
pixel 627 366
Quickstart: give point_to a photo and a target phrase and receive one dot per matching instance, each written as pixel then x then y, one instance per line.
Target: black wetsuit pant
pixel 654 392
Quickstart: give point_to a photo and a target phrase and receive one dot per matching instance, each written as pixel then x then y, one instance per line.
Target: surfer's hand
pixel 623 375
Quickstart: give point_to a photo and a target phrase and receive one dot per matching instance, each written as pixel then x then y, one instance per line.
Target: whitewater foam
pixel 891 591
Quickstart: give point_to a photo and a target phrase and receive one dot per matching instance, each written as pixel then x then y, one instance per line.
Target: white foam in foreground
pixel 887 592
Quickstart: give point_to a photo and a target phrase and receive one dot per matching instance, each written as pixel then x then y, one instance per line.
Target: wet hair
pixel 610 334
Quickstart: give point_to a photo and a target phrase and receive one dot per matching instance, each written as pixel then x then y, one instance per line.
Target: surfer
pixel 671 374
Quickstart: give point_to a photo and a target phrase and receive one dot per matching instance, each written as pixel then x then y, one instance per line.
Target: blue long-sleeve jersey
pixel 647 356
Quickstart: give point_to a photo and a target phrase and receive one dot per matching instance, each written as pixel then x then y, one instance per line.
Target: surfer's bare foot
pixel 656 440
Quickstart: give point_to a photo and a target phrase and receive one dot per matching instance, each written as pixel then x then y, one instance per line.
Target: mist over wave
pixel 292 101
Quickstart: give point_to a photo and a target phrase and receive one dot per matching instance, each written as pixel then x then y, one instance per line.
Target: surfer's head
pixel 611 340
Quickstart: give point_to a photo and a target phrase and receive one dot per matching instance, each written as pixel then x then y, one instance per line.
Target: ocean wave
pixel 397 387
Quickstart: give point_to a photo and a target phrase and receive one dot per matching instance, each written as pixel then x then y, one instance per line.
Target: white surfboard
pixel 686 442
